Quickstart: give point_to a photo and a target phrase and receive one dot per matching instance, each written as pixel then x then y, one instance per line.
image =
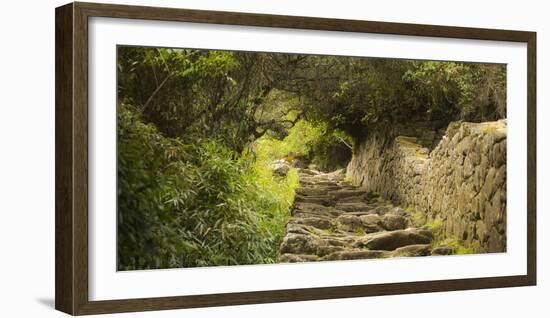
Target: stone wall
pixel 461 181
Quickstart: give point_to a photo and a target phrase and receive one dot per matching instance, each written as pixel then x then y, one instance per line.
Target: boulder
pixel 391 240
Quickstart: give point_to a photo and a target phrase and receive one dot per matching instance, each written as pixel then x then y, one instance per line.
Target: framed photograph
pixel 211 158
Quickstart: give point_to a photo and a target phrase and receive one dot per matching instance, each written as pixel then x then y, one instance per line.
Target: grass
pixel 412 145
pixel 332 229
pixel 453 242
pixel 436 226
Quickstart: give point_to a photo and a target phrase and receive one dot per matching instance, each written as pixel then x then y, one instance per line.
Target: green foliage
pixel 193 205
pixel 358 94
pixel 271 198
pixel 313 142
pixel 475 92
pixel 191 93
pixel 194 186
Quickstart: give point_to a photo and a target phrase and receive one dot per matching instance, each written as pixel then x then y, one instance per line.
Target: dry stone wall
pixel 461 182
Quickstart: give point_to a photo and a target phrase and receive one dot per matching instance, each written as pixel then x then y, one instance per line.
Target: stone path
pixel 333 220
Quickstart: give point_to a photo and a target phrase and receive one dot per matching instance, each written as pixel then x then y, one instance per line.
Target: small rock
pixel 398 211
pixel 413 250
pixel 349 223
pixel 381 210
pixel 299 244
pixel 393 222
pixel 280 169
pixel 371 223
pixel 313 166
pixel 443 250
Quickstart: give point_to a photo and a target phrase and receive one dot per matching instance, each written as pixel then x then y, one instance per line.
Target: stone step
pixel 328 183
pixel 308 172
pixel 317 222
pixel 316 208
pixel 315 191
pixel 355 224
pixel 333 220
pixel 317 199
pixel 339 194
pixel 392 240
pixel 354 199
pixel 354 206
pixel 307 244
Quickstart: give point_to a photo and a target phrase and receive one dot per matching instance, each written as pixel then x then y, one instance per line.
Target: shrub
pixel 193 205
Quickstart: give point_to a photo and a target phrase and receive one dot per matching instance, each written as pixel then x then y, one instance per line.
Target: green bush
pixel 193 205
pixel 314 143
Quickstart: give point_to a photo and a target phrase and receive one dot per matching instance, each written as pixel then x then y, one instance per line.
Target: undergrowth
pixel 436 226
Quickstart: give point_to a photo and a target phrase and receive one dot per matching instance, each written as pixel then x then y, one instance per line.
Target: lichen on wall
pixel 461 181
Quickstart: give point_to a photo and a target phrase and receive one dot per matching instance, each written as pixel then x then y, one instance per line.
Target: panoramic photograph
pixel 242 158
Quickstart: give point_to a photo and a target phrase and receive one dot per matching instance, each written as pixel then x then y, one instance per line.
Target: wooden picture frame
pixel 71 123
